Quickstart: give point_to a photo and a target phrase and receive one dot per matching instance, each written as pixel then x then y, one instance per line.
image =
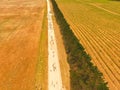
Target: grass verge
pixel 41 69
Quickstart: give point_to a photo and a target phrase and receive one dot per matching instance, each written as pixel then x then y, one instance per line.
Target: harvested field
pixel 20 27
pixel 97 25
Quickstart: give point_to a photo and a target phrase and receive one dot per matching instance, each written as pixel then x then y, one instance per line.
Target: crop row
pixel 101 52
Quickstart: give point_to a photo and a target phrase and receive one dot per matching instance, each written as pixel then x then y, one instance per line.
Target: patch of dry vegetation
pixel 20 26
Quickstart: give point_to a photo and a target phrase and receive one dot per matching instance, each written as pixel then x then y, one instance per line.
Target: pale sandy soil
pixel 54 72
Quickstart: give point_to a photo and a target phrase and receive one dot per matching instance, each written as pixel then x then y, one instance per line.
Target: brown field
pixel 97 26
pixel 20 28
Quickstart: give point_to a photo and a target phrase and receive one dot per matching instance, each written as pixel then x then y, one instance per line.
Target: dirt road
pixel 54 73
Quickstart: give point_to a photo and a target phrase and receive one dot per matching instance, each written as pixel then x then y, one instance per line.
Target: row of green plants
pixel 83 74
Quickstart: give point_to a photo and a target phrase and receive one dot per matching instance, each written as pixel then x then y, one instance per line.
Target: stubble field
pixel 20 28
pixel 97 25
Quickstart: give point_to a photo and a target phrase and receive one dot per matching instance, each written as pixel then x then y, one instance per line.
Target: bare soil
pixel 20 26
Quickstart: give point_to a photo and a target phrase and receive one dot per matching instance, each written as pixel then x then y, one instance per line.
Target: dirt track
pixel 20 24
pixel 54 73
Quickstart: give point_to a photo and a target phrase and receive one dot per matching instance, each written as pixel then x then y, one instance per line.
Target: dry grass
pixel 98 31
pixel 20 26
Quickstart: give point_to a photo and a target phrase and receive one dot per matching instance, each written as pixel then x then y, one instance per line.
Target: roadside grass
pixel 41 70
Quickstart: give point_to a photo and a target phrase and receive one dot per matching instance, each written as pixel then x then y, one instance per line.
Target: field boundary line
pixel 104 9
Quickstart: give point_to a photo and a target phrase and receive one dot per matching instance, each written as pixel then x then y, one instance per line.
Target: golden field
pixel 97 26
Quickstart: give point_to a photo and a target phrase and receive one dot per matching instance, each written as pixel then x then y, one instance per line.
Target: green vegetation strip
pixel 83 75
pixel 41 68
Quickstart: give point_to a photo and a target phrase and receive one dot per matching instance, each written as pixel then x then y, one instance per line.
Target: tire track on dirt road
pixel 54 73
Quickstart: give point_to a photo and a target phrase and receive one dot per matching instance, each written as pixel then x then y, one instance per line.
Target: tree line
pixel 83 74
